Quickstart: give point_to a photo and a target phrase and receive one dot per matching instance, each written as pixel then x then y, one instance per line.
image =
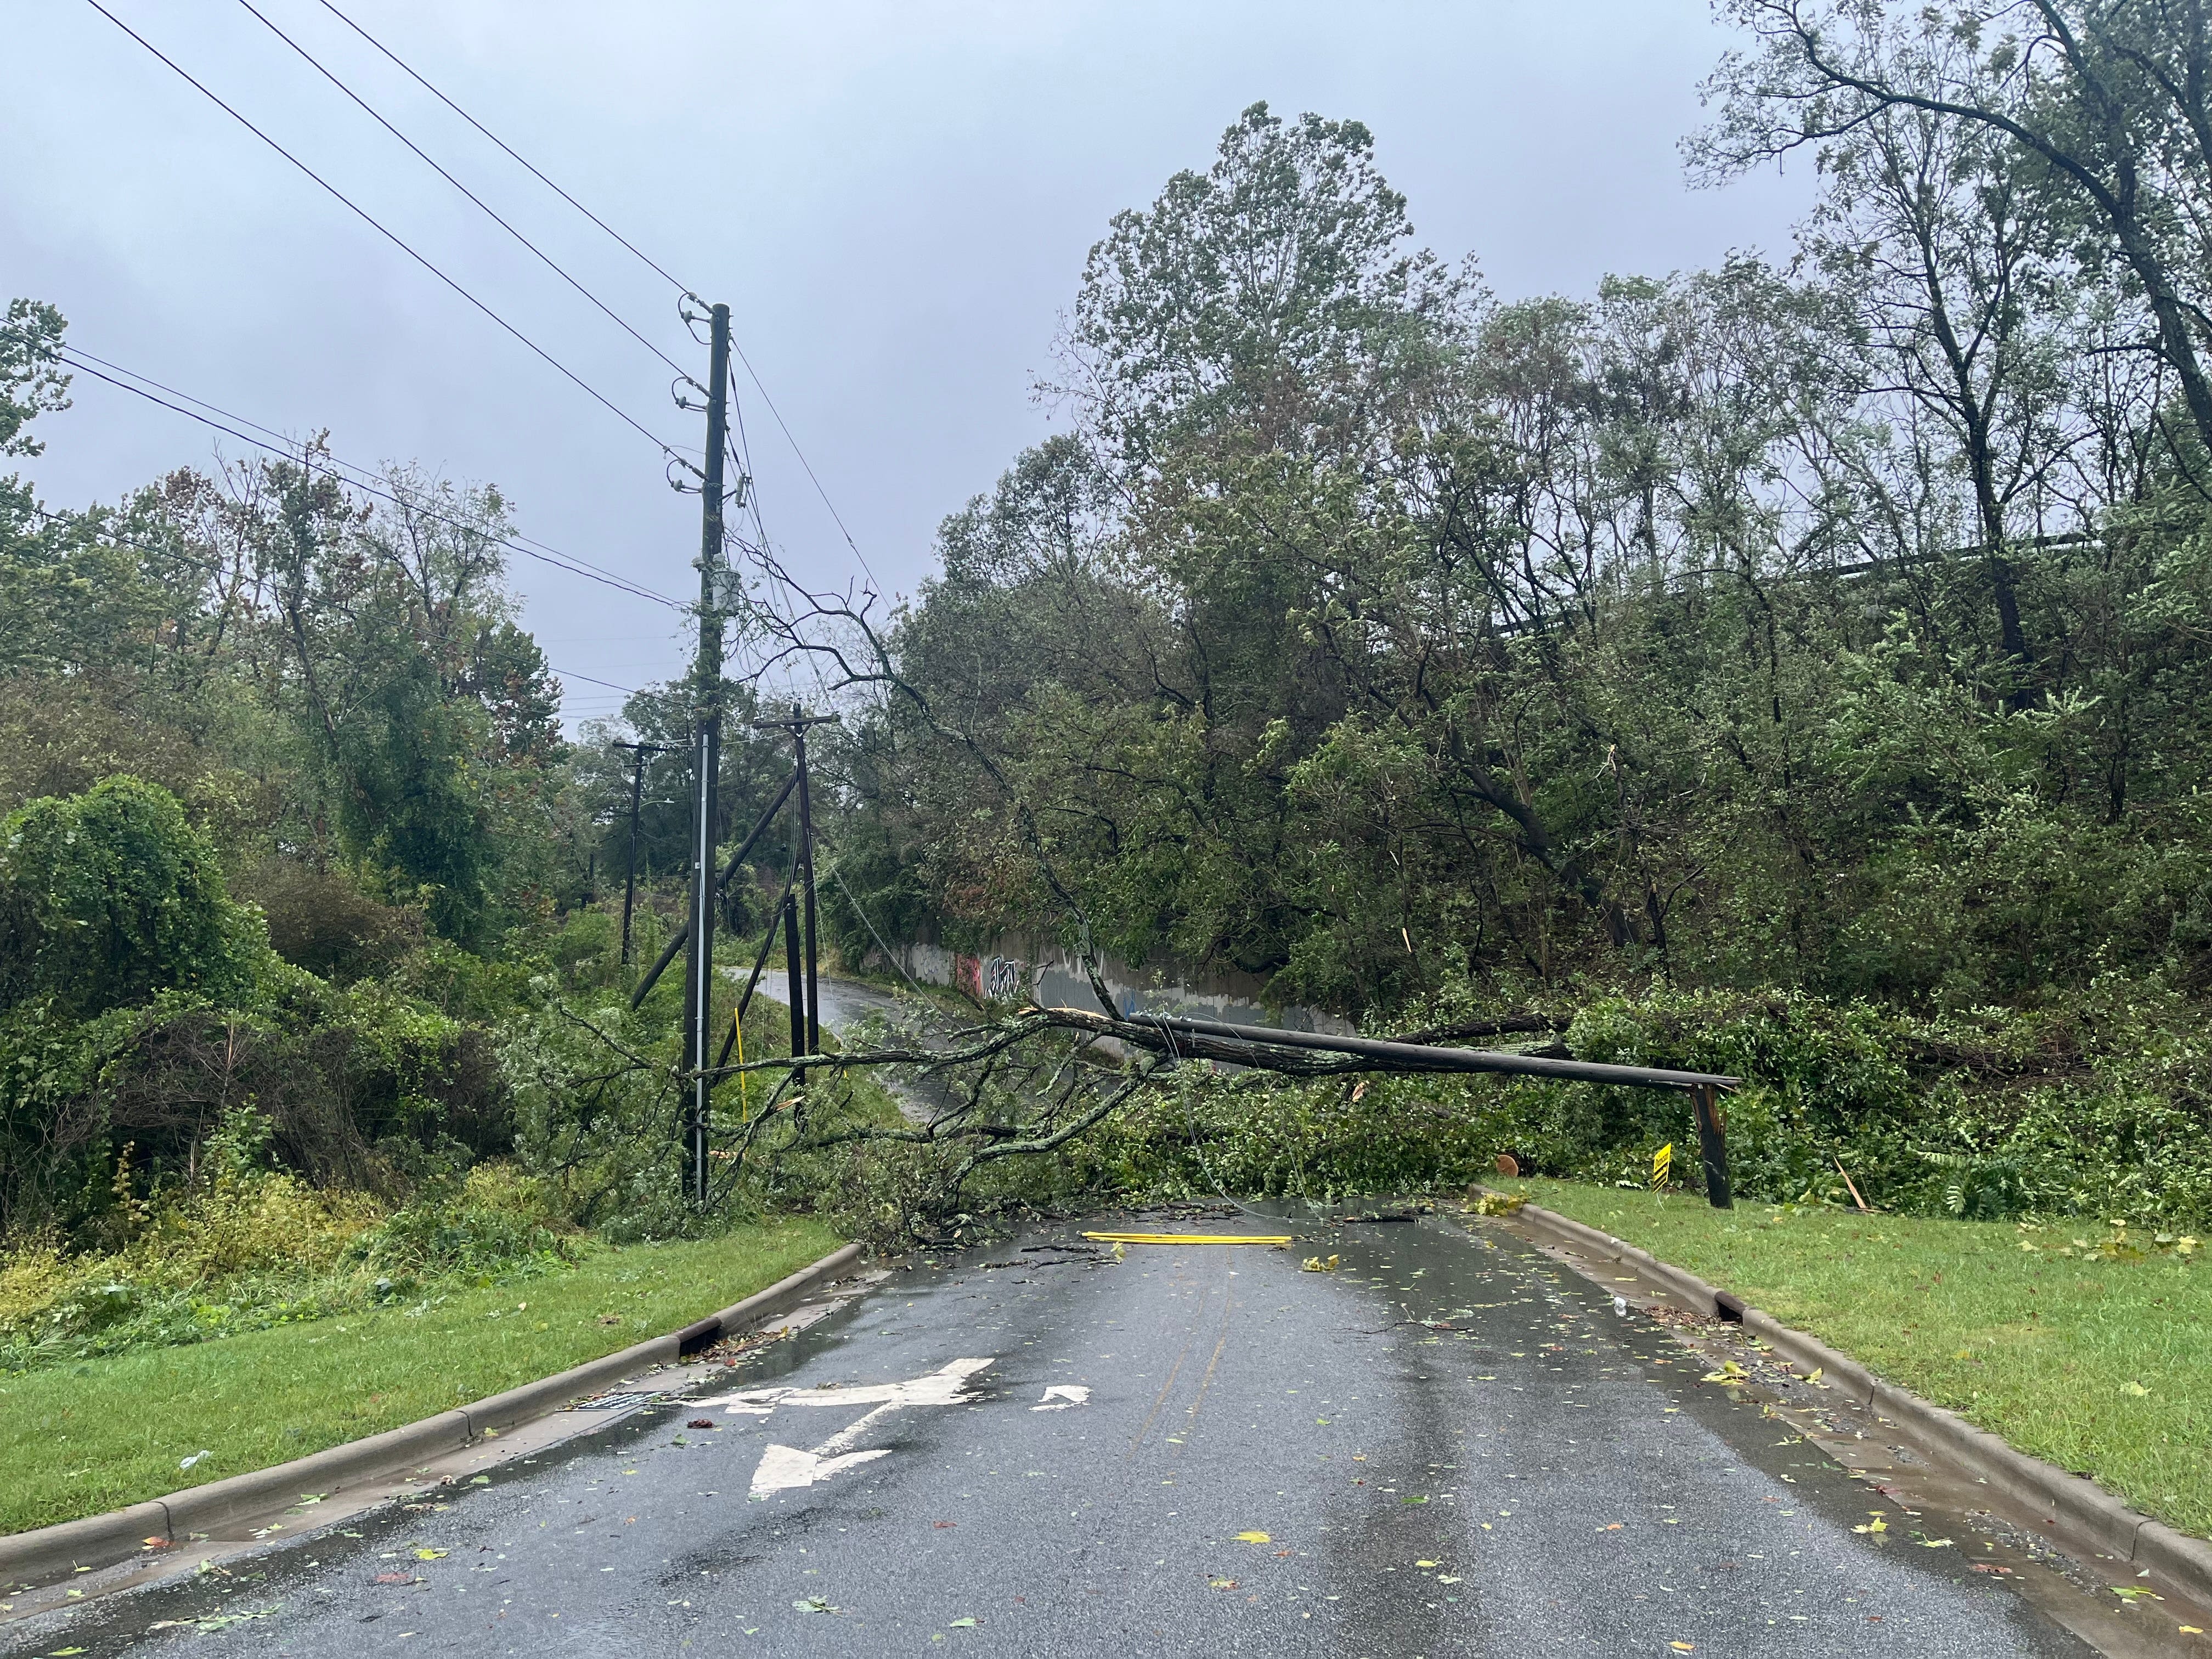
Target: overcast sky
pixel 895 199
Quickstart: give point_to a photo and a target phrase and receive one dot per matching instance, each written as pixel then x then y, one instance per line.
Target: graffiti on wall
pixel 991 979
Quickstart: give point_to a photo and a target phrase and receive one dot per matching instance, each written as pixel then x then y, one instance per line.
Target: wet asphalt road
pixel 845 1003
pixel 1544 1477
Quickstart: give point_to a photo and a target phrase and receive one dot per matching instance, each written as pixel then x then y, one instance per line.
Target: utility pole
pixel 809 1025
pixel 806 867
pixel 637 793
pixel 706 742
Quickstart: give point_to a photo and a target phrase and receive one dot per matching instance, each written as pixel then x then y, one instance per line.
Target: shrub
pixel 109 897
pixel 324 923
pixel 490 1226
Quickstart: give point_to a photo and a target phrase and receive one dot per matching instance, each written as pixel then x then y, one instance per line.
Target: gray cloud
pixel 896 199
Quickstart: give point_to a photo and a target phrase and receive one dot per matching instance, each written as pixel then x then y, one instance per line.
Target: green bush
pixel 109 897
pixel 251 1247
pixel 324 922
pixel 430 1240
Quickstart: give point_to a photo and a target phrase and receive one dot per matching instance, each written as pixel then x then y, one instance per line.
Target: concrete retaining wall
pixel 1017 967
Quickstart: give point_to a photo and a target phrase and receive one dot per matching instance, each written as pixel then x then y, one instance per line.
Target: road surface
pixel 845 1003
pixel 1448 1445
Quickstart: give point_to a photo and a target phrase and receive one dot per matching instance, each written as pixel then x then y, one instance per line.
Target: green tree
pixel 434 714
pixel 110 897
pixel 1273 296
pixel 2107 100
pixel 30 382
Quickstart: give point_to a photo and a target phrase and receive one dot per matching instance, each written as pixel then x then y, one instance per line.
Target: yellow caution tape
pixel 1190 1238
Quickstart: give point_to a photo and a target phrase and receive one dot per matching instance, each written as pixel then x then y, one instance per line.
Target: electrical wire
pixel 545 258
pixel 398 242
pixel 645 258
pixel 890 955
pixel 667 450
pixel 627 690
pixel 360 476
pixel 407 69
pixel 783 427
pixel 558 561
pixel 178 560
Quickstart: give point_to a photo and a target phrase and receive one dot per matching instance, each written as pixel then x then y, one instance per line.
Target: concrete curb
pixel 100 1540
pixel 96 1540
pixel 203 1508
pixel 2074 1503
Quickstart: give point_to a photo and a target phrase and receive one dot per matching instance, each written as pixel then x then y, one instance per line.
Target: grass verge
pixel 92 1437
pixel 2096 1363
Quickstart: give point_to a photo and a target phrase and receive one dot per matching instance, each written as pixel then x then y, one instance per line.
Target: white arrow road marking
pixel 1061 1396
pixel 782 1468
pixel 944 1387
pixel 785 1466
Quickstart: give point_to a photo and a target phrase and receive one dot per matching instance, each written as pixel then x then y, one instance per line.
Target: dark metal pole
pixel 630 872
pixel 1419 1057
pixel 1712 1147
pixel 804 990
pixel 760 961
pixel 1704 1088
pixel 729 871
pixel 791 972
pixel 807 875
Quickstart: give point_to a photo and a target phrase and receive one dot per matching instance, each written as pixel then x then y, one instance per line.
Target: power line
pixel 177 560
pixel 341 472
pixel 785 429
pixel 395 239
pixel 411 73
pixel 627 690
pixel 364 478
pixel 544 258
pixel 745 471
pixel 359 478
pixel 651 264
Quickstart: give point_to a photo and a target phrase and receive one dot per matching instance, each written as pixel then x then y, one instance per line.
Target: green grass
pixel 92 1437
pixel 2047 1351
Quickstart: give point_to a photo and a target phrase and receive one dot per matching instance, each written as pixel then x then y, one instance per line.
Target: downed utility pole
pixel 636 795
pixel 1301 1054
pixel 1704 1088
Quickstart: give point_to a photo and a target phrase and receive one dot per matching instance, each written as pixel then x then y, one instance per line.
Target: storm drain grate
pixel 619 1402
